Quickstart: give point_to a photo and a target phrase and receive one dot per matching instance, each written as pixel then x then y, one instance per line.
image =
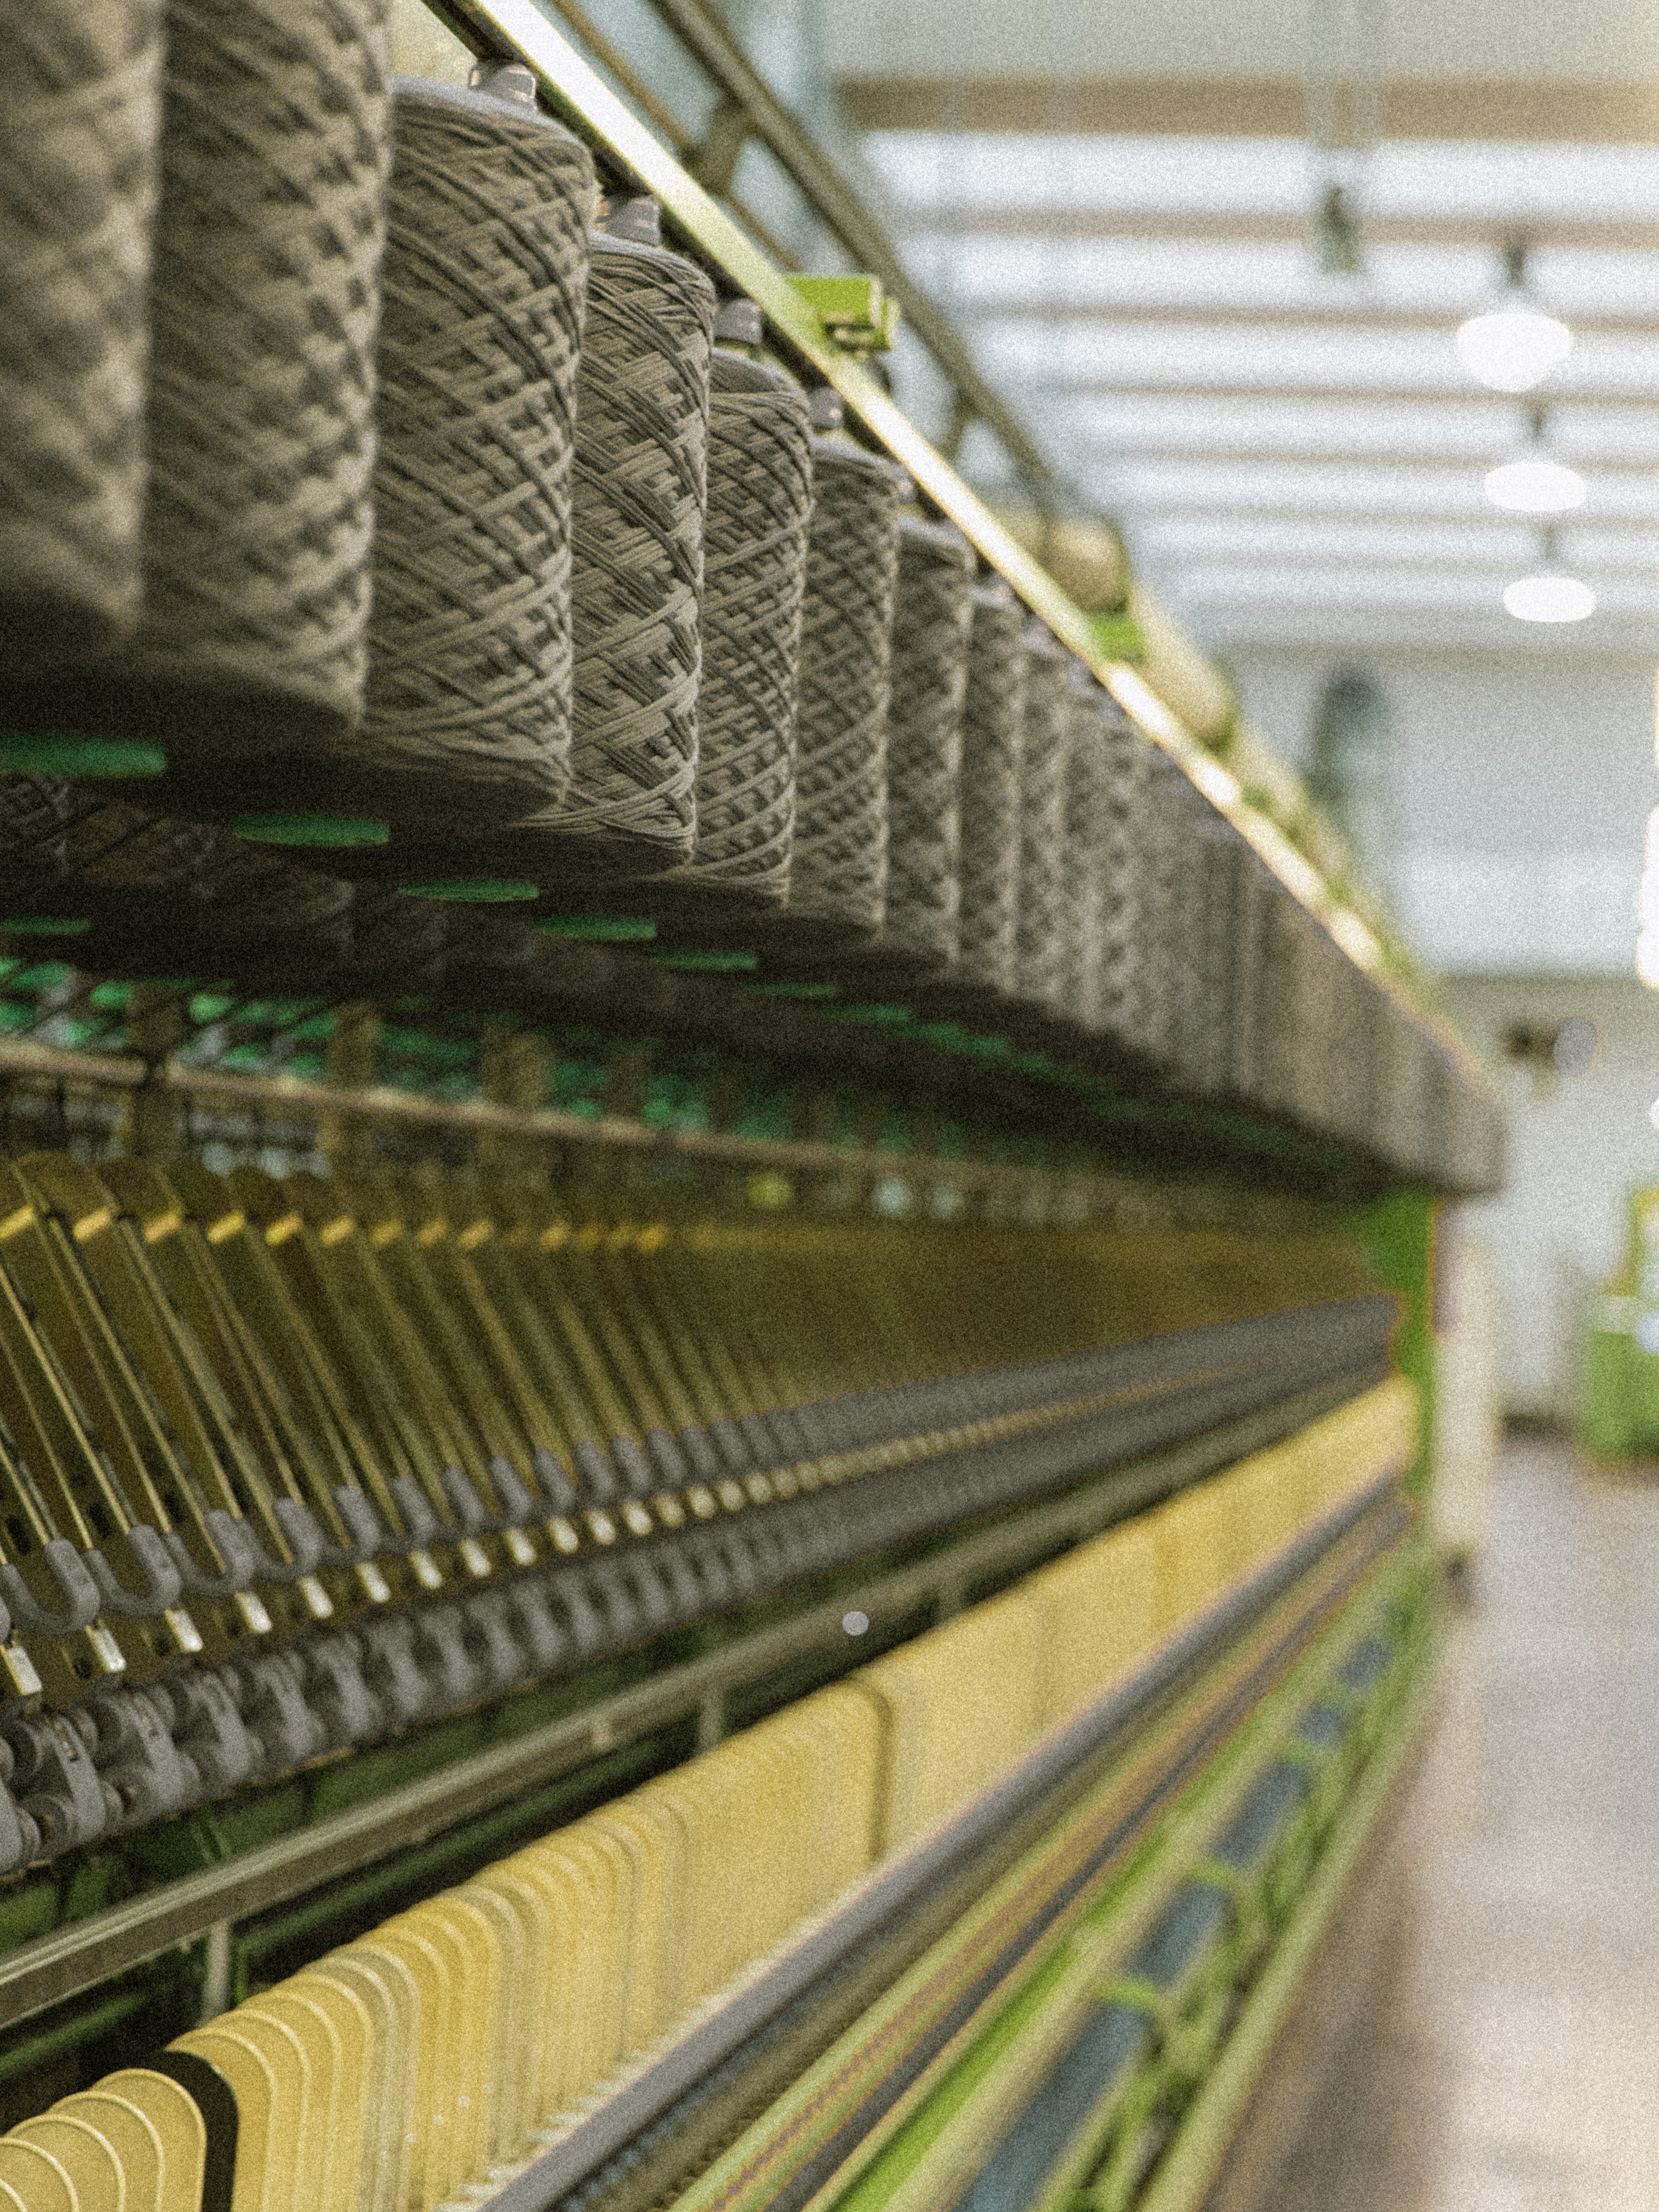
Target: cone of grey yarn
pixel 265 303
pixel 1288 998
pixel 1088 800
pixel 1206 910
pixel 33 812
pixel 932 610
pixel 255 894
pixel 1230 868
pixel 1039 959
pixel 80 110
pixel 112 846
pixel 1157 950
pixel 641 459
pixel 760 501
pixel 137 874
pixel 839 875
pixel 992 737
pixel 396 942
pixel 1128 763
pixel 484 287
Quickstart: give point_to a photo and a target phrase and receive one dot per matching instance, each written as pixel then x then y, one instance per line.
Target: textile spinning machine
pixel 716 1321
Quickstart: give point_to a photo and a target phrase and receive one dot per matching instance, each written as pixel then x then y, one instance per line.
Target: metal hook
pixel 234 1541
pixel 368 1534
pixel 162 1582
pixel 420 1521
pixel 305 1540
pixel 68 1569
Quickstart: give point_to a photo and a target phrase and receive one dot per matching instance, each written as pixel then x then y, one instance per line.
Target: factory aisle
pixel 1512 2063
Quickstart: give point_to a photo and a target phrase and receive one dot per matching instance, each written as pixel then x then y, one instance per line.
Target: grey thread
pixel 1206 1000
pixel 1252 895
pixel 484 287
pixel 641 443
pixel 144 868
pixel 1158 919
pixel 35 810
pixel 839 877
pixel 1122 1017
pixel 1040 954
pixel 1222 876
pixel 394 937
pixel 760 501
pixel 993 735
pixel 79 116
pixel 109 846
pixel 931 609
pixel 1182 944
pixel 261 432
pixel 1088 797
pixel 254 893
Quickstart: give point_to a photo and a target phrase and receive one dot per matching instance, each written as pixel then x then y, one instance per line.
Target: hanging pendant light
pixel 1534 482
pixel 1549 595
pixel 1514 345
pixel 1647 909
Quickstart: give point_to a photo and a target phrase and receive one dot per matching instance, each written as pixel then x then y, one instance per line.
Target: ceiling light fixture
pixel 1549 595
pixel 1647 909
pixel 1515 345
pixel 1536 486
pixel 1549 600
pixel 1534 482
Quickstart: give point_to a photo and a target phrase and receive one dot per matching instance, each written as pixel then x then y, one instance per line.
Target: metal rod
pixel 77 1958
pixel 832 198
pixel 298 1094
pixel 904 1881
pixel 524 27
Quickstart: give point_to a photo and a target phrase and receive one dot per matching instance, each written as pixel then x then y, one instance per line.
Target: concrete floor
pixel 1510 2062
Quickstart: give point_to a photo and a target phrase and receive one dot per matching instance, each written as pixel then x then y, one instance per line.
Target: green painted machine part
pixel 1155 2004
pixel 1618 1402
pixel 1397 1234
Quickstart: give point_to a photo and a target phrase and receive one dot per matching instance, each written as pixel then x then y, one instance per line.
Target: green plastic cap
pixel 473 891
pixel 337 830
pixel 709 963
pixel 600 928
pixel 59 752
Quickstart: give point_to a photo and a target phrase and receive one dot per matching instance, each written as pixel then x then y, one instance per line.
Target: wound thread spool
pixel 1039 972
pixel 931 609
pixel 760 502
pixel 992 738
pixel 110 846
pixel 1285 998
pixel 493 957
pixel 1253 893
pixel 1088 797
pixel 838 879
pixel 1221 858
pixel 80 112
pixel 641 462
pixel 260 898
pixel 268 245
pixel 396 942
pixel 1206 1000
pixel 1156 954
pixel 35 812
pixel 136 875
pixel 468 714
pixel 1123 1011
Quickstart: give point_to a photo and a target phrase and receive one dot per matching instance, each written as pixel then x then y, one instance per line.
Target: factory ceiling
pixel 1220 257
